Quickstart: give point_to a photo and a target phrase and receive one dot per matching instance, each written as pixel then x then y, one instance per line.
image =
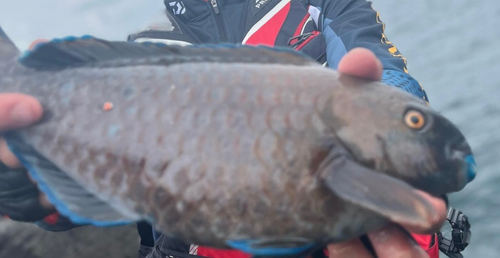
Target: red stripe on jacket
pixel 267 34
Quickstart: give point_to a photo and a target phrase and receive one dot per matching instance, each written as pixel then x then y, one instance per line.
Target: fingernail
pixel 22 113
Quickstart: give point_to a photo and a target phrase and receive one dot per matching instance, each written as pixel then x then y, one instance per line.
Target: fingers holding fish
pixel 18 110
pixel 361 62
pixel 389 242
pixel 394 242
pixel 7 157
pixel 352 248
pixel 439 206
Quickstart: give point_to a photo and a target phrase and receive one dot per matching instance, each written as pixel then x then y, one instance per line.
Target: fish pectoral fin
pixel 70 198
pixel 290 247
pixel 377 192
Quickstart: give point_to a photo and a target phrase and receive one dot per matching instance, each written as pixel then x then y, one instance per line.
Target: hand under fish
pixel 421 213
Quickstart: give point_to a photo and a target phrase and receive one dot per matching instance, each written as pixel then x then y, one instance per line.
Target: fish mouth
pixel 462 153
pixel 471 167
pixel 453 154
pixel 457 169
pixel 461 164
pixel 465 172
pixel 455 165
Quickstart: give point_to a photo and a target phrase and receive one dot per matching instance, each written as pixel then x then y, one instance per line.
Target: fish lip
pixel 471 170
pixel 465 171
pixel 462 153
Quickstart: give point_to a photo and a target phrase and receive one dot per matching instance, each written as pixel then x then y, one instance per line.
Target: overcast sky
pixel 27 20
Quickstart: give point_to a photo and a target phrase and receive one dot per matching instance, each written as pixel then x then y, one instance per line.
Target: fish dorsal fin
pixel 89 51
pixel 7 48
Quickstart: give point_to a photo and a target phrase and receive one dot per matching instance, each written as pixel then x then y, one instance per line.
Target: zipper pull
pixel 214 5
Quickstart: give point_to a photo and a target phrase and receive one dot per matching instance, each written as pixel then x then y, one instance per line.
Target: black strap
pixel 460 234
pixel 145 231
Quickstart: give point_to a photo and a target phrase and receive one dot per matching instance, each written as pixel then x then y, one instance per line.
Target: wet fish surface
pixel 252 148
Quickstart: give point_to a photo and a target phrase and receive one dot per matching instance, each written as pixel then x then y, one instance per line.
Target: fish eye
pixel 414 119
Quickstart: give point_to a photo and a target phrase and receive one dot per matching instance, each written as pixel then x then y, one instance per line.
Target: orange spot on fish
pixel 107 106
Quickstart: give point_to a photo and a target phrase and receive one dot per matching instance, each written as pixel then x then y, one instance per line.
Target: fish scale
pixel 180 128
pixel 263 135
pixel 217 144
pixel 94 125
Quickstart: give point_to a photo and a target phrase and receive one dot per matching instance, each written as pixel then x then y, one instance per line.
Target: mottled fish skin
pixel 217 151
pixel 243 152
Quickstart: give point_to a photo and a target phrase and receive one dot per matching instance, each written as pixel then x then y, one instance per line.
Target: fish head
pixel 398 134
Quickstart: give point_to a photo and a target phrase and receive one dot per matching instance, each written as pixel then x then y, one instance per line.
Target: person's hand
pixel 16 111
pixel 19 197
pixel 393 240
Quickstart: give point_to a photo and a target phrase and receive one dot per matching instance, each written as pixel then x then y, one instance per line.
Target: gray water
pixel 451 47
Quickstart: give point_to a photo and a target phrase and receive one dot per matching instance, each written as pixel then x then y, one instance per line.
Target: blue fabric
pixel 405 82
pixel 351 24
pixel 335 48
pixel 357 24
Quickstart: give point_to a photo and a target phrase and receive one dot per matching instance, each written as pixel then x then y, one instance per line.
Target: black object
pixel 145 231
pixel 460 234
pixel 19 196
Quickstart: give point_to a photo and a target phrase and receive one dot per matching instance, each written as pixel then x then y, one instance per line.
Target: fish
pixel 254 148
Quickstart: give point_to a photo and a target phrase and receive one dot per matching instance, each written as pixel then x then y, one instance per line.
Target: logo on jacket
pixel 177 7
pixel 260 3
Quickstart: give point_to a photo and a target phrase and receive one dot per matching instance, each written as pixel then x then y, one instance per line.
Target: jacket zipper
pixel 218 20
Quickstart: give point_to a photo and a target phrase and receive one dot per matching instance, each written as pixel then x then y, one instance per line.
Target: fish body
pixel 218 145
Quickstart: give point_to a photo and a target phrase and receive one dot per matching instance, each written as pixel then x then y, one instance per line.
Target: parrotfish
pixel 253 148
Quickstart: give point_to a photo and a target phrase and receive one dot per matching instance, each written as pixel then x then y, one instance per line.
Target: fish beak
pixel 471 167
pixel 459 152
pixel 459 149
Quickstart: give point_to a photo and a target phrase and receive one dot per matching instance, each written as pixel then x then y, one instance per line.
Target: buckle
pixel 460 234
pixel 300 38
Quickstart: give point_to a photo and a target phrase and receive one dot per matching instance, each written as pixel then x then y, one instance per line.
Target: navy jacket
pixel 324 29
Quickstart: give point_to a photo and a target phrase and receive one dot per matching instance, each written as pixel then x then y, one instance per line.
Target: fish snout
pixel 471 167
pixel 460 150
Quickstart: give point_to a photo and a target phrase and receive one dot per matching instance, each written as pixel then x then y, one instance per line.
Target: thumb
pixel 18 110
pixel 361 62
